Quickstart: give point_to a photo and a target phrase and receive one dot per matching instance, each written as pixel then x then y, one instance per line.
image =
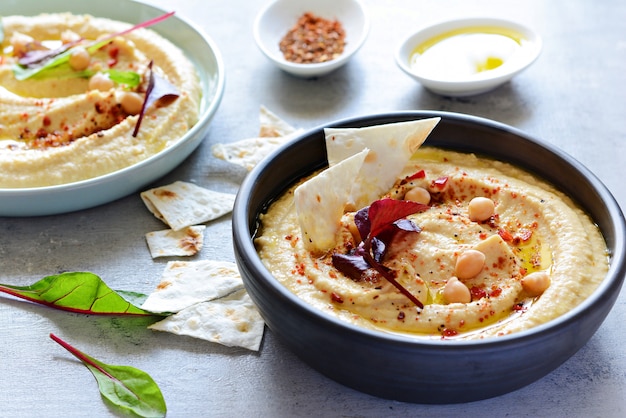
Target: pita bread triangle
pixel 183 204
pixel 248 152
pixel 321 200
pixel 185 283
pixel 233 321
pixel 364 163
pixel 184 242
pixel 271 125
pixel 391 147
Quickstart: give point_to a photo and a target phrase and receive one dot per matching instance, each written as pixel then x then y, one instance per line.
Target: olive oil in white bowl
pixel 468 56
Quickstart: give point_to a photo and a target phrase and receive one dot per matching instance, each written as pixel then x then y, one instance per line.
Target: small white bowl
pixel 275 19
pixel 470 84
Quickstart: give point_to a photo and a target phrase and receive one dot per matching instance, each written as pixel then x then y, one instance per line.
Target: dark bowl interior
pixel 408 369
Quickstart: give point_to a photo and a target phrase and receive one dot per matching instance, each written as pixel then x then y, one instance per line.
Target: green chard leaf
pixel 57 63
pixel 57 66
pixel 80 292
pixel 134 298
pixel 126 387
pixel 129 78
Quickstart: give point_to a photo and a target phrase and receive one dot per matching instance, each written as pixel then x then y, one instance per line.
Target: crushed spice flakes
pixel 313 39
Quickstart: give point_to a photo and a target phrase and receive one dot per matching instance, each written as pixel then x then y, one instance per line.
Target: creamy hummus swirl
pixel 58 130
pixel 534 228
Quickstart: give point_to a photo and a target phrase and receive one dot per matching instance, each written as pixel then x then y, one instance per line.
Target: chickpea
pixel 21 43
pixel 469 264
pixel 536 283
pixel 131 102
pixel 455 291
pixel 419 195
pixel 100 81
pixel 123 46
pixel 68 36
pixel 481 209
pixel 79 58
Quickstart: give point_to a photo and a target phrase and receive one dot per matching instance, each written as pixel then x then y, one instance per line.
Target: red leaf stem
pixel 140 25
pixel 81 356
pixel 388 276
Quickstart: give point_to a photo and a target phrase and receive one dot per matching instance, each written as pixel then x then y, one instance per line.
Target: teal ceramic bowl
pixel 93 192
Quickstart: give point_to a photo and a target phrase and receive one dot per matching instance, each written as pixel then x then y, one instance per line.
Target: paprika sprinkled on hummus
pixel 473 267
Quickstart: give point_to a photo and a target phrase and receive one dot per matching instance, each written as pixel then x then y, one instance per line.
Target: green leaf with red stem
pixel 126 387
pixel 61 56
pixel 80 292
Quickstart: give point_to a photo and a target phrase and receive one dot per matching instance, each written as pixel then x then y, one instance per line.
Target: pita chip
pixel 185 283
pixel 183 204
pixel 184 242
pixel 391 147
pixel 233 321
pixel 249 152
pixel 320 202
pixel 272 125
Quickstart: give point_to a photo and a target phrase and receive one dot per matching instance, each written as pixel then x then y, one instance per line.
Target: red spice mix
pixel 313 39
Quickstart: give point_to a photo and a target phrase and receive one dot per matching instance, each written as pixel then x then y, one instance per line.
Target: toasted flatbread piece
pixel 391 147
pixel 320 202
pixel 183 204
pixel 249 152
pixel 185 283
pixel 184 242
pixel 233 321
pixel 272 125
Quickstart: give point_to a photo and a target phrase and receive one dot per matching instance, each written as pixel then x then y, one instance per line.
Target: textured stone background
pixel 572 97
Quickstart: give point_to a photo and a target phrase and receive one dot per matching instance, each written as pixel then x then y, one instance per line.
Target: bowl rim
pixel 351 47
pixel 478 81
pixel 208 110
pixel 243 238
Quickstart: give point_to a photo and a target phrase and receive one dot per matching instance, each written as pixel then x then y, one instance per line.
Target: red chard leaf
pixel 386 211
pixel 352 265
pixel 390 277
pixel 162 92
pixel 407 225
pixel 378 248
pixel 391 233
pixel 379 225
pixel 159 89
pixel 362 222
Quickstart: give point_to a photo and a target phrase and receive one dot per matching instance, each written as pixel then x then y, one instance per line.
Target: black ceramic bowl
pixel 416 370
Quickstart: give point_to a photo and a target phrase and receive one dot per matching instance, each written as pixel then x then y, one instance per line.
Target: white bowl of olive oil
pixel 470 56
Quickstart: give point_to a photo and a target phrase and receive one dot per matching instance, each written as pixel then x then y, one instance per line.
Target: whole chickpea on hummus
pixel 72 93
pixel 429 242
